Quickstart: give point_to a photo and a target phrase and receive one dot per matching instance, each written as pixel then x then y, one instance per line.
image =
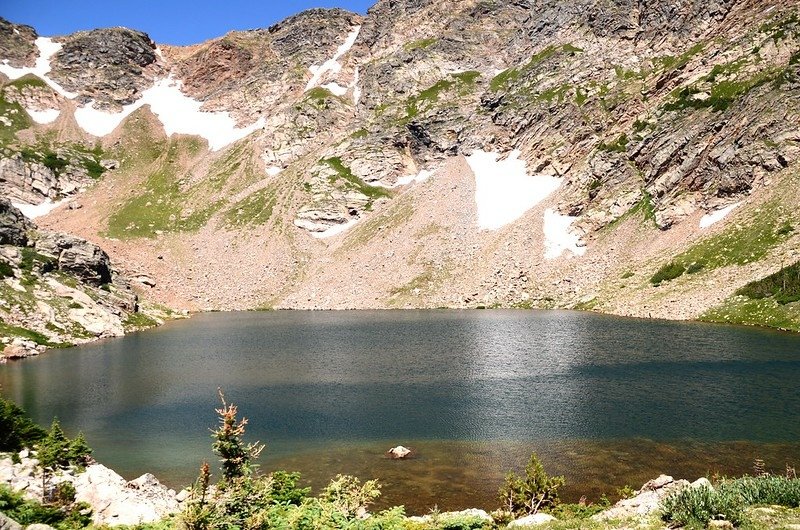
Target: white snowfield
pixel 422 176
pixel 178 113
pixel 32 211
pixel 557 235
pixel 335 229
pixel 43 116
pixel 503 189
pixel 714 217
pixel 333 65
pixel 47 48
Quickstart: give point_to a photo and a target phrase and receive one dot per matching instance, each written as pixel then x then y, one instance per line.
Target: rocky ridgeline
pixel 57 290
pixel 663 111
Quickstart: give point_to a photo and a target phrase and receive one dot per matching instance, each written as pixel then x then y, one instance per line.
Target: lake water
pixel 605 401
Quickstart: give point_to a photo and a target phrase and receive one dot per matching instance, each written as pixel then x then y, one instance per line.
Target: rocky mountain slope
pixel 638 158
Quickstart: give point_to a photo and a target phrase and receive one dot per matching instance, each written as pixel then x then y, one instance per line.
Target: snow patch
pixel 43 116
pixel 332 65
pixel 422 176
pixel 32 211
pixel 47 48
pixel 273 170
pixel 178 113
pixel 719 215
pixel 557 236
pixel 335 230
pixel 336 89
pixel 503 189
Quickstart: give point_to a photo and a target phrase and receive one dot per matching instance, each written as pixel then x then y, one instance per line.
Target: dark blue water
pixel 475 392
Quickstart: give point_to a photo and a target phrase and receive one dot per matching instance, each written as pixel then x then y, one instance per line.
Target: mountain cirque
pixel 456 153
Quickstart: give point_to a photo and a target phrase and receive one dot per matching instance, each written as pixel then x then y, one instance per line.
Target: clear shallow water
pixel 605 400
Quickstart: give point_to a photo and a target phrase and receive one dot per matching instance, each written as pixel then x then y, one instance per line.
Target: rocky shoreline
pixel 116 501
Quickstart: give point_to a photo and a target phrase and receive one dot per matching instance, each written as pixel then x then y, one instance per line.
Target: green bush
pixel 26 512
pixel 668 272
pixel 6 270
pixel 784 286
pixel 766 490
pixel 17 431
pixel 285 490
pixel 534 492
pixel 694 507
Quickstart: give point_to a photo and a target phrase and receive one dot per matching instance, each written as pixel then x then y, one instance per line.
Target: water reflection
pixel 476 391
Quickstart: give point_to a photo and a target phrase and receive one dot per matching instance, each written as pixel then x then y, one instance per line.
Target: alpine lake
pixel 605 401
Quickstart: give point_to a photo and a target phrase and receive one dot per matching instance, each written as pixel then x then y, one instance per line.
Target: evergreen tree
pixel 235 456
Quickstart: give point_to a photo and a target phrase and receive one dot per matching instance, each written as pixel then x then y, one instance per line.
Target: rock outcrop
pixel 17 43
pixel 647 500
pixel 77 257
pixel 114 501
pixel 128 60
pixel 13 225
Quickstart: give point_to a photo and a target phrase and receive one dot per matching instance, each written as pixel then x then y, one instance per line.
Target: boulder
pixel 21 348
pixel 7 523
pixel 39 526
pixel 470 513
pixel 76 256
pixel 531 520
pixel 117 502
pixel 646 501
pixel 398 452
pixel 13 225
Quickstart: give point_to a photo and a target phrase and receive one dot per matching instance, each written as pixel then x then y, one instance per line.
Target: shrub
pixel 285 490
pixel 784 286
pixel 17 431
pixel 6 270
pixel 694 507
pixel 27 512
pixel 535 491
pixel 668 272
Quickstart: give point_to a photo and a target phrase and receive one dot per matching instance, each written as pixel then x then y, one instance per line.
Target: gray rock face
pixel 78 257
pixel 109 66
pixel 13 225
pixel 17 43
pixel 7 523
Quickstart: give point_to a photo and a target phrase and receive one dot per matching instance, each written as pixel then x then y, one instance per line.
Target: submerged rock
pixel 398 452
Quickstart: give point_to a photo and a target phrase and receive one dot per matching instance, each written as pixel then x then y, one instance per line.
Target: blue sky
pixel 167 21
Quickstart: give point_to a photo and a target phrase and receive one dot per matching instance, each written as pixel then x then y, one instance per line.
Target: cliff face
pixel 454 153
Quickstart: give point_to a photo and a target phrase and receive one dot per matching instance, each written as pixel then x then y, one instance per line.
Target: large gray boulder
pixel 76 256
pixel 7 523
pixel 13 225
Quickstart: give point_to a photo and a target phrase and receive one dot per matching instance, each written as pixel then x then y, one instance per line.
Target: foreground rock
pixel 532 520
pixel 114 500
pixel 647 500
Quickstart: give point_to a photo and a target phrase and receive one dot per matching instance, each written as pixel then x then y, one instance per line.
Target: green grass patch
pixel 359 134
pixel 759 312
pixel 420 44
pixel 670 62
pixel 137 320
pixel 255 209
pixel 739 244
pixel 503 79
pixel 571 48
pixel 618 145
pixel 14 119
pixel 165 204
pixel 7 330
pixel 27 81
pixel 343 173
pixel 719 95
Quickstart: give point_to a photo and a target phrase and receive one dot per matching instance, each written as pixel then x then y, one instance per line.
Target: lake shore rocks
pixel 114 500
pixel 399 452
